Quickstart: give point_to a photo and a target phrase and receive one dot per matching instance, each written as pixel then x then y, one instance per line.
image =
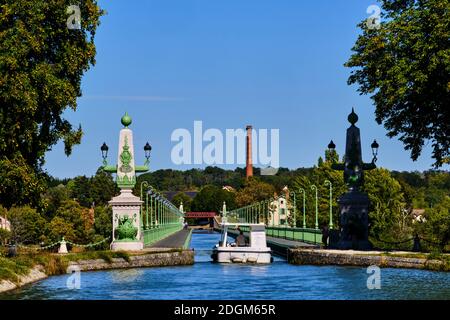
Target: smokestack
pixel 249 152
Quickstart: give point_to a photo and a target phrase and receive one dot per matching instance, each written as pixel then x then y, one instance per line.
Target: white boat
pixel 256 251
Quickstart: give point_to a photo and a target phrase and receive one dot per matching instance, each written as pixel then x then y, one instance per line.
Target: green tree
pixel 182 197
pixel 5 235
pixel 19 183
pixel 54 197
pixel 211 198
pixel 73 215
pixel 102 188
pixel 59 228
pixel 254 191
pixel 389 219
pixel 42 62
pixel 103 221
pixel 405 66
pixel 27 225
pixel 436 228
pixel 80 189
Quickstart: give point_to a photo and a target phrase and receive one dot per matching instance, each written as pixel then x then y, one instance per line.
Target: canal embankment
pixel 398 259
pixel 28 268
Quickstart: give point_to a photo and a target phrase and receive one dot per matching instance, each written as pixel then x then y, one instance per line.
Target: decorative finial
pixel 353 117
pixel 126 120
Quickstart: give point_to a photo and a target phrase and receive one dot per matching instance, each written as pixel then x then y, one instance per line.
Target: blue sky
pixel 229 63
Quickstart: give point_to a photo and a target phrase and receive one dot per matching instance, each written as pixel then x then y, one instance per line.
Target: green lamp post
pixel 144 183
pixel 295 208
pixel 328 182
pixel 313 187
pixel 304 207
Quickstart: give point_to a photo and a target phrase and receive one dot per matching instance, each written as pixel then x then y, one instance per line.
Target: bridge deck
pixel 176 240
pixel 279 246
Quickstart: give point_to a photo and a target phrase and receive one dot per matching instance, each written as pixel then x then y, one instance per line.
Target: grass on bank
pixel 12 268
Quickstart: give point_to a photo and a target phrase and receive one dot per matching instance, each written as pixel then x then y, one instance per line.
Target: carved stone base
pixel 127 246
pixel 354 221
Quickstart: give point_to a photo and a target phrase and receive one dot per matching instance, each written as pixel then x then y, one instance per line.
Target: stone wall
pixel 358 258
pixel 35 274
pixel 164 259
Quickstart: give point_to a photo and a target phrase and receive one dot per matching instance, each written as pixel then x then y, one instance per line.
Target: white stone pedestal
pixel 127 246
pixel 126 205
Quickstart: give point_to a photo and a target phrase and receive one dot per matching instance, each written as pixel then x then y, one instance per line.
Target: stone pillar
pixel 127 234
pixel 354 220
pixel 127 231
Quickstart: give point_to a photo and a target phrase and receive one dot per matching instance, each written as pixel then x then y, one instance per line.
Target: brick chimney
pixel 249 152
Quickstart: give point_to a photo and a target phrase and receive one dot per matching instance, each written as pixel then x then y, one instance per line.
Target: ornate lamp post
pixel 354 205
pixel 304 207
pixel 313 187
pixel 295 208
pixel 328 182
pixel 127 209
pixel 104 148
pixel 144 183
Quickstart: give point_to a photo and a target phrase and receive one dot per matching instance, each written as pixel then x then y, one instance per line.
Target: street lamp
pixel 104 149
pixel 331 146
pixel 331 149
pixel 304 207
pixel 147 149
pixel 374 147
pixel 313 187
pixel 328 182
pixel 295 208
pixel 144 183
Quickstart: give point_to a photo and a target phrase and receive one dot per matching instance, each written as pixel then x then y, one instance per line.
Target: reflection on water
pixel 205 280
pixel 126 275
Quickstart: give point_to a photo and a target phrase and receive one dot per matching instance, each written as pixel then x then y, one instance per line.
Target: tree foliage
pixel 42 62
pixel 437 224
pixel 211 198
pixel 27 225
pixel 182 197
pixel 254 190
pixel 389 219
pixel 405 66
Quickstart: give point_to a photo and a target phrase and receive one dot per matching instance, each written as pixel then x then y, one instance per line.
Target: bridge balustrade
pixel 160 218
pixel 279 217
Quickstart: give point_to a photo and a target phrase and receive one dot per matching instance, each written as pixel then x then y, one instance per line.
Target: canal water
pixel 205 280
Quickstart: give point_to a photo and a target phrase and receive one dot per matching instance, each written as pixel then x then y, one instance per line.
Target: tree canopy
pixel 42 62
pixel 405 66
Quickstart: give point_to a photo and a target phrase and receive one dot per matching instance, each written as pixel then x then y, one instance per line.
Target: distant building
pixel 229 188
pixel 418 215
pixel 279 212
pixel 5 224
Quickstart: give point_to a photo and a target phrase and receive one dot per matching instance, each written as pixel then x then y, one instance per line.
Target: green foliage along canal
pixel 205 280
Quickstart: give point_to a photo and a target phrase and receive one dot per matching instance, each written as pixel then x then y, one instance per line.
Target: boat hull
pixel 241 255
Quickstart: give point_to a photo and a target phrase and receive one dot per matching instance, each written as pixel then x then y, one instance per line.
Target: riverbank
pixel 398 259
pixel 28 268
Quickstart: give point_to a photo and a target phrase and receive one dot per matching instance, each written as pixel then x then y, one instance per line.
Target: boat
pixel 256 251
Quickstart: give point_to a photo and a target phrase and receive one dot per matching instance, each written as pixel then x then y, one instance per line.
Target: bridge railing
pixel 280 218
pixel 160 218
